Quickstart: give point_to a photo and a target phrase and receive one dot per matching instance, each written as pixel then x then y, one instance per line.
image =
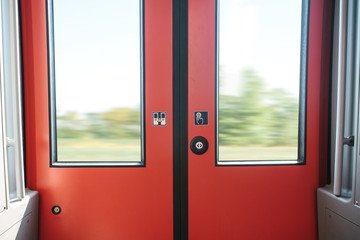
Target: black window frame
pixel 52 98
pixel 304 42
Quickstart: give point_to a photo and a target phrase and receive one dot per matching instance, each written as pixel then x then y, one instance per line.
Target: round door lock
pixel 199 145
pixel 56 210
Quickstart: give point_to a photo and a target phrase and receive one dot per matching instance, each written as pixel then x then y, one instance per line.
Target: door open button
pixel 199 145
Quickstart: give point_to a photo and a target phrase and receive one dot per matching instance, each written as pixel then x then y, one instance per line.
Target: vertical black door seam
pixel 180 118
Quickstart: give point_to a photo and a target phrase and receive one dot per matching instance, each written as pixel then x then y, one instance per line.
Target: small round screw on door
pixel 199 145
pixel 56 210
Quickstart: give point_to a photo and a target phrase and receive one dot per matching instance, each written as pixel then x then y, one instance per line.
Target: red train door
pixel 176 193
pixel 99 202
pixel 228 201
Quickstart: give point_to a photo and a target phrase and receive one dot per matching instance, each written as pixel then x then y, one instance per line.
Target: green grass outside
pixel 98 150
pixel 231 153
pixel 129 150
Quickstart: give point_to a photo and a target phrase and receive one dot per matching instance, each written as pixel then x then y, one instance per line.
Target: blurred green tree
pixel 257 117
pixel 69 125
pixel 119 123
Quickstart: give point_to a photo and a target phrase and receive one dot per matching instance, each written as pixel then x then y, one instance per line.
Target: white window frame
pixel 3 173
pixel 10 78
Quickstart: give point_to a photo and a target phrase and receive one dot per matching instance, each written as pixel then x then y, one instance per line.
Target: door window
pixel 95 53
pixel 262 51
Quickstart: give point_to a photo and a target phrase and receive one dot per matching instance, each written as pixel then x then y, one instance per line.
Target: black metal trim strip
pixel 52 96
pixel 217 87
pixel 330 96
pixel 22 84
pixel 180 115
pixel 305 18
pixel 325 97
pixel 304 56
pixel 51 80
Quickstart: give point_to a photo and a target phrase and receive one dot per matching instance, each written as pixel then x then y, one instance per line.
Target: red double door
pixel 233 202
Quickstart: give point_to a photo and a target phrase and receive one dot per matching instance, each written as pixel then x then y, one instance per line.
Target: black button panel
pixel 199 145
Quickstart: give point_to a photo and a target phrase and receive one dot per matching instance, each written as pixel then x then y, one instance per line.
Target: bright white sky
pixel 261 35
pixel 97 49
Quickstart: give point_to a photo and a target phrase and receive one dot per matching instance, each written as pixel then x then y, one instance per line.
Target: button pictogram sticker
pixel 201 118
pixel 159 118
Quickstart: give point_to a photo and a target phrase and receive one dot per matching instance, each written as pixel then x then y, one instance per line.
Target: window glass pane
pixel 98 82
pixel 259 73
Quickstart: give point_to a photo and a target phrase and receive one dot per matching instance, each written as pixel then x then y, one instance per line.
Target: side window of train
pixel 12 183
pixel 96 82
pixel 261 86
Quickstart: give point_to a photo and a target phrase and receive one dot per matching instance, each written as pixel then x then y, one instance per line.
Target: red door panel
pixel 248 202
pixel 102 203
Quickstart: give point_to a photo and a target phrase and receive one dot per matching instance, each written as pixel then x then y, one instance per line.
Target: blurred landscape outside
pixel 97 57
pixel 98 80
pixel 259 73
